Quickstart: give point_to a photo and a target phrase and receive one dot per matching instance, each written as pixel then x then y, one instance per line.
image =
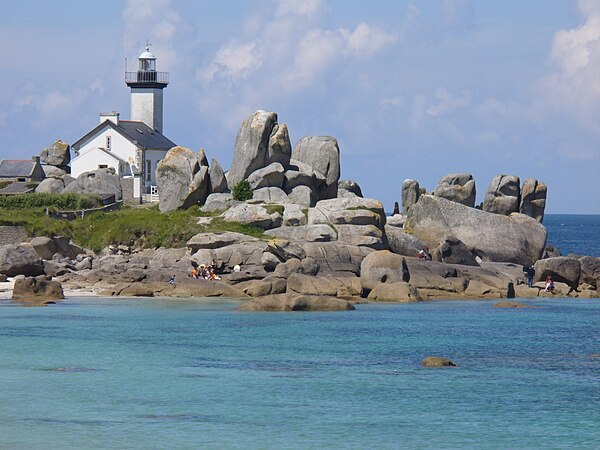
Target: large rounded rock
pixel 301 174
pixel 20 259
pixel 303 196
pixel 249 214
pixel 270 195
pixel 515 238
pixel 454 251
pixel 308 233
pixel 533 199
pixel 562 269
pixel 403 243
pixel 99 181
pixel 50 186
pixel 383 267
pixel 334 286
pixel 457 187
pixel 260 141
pixel 399 292
pixel 503 195
pixel 322 153
pixel 181 180
pixel 269 176
pixel 58 154
pixel 336 259
pixel 217 240
pixel 44 246
pixel 410 194
pixel 349 188
pixel 590 271
pixel 296 302
pixel 218 202
pixel 54 171
pixel 37 290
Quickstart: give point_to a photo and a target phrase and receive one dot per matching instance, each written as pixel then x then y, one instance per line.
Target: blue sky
pixel 411 89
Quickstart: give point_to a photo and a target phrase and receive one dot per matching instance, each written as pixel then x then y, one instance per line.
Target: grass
pixel 274 208
pixel 137 227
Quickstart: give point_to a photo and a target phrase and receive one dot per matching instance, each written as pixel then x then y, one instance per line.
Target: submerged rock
pixel 296 302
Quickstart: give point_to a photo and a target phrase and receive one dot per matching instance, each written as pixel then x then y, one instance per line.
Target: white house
pixel 132 147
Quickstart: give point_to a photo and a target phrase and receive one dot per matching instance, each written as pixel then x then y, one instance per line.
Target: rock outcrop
pixel 218 182
pixel 437 361
pixel 50 186
pixel 99 181
pixel 457 187
pixel 37 291
pixel 453 251
pixel 296 302
pixel 562 269
pixel 58 154
pixel 181 180
pixel 533 199
pixel 322 154
pixel 515 238
pixel 410 194
pixel 349 188
pixel 383 267
pixel 20 259
pixel 260 141
pixel 503 195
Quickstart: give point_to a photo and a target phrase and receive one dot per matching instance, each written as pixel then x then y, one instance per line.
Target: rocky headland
pixel 323 245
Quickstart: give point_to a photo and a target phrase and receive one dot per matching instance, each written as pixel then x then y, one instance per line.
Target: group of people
pixel 529 273
pixel 205 272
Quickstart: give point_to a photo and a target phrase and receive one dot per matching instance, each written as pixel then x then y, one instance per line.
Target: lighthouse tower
pixel 147 91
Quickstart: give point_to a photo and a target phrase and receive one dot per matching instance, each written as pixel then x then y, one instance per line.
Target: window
pixel 102 166
pixel 107 142
pixel 148 170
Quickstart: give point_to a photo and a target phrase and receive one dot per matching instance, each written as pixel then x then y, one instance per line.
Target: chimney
pixel 112 116
pixel 35 159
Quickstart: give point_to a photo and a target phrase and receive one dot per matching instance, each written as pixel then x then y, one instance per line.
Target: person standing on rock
pixel 530 275
pixel 172 280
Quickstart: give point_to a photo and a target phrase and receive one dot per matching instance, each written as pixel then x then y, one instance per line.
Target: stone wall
pixel 128 192
pixel 13 234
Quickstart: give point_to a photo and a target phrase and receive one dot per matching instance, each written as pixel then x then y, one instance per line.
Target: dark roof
pixel 12 168
pixel 137 132
pixel 16 188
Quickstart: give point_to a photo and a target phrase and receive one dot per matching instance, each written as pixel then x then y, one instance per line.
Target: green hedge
pixel 64 202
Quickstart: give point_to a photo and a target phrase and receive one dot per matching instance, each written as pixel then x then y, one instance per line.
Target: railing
pixel 150 76
pixel 152 197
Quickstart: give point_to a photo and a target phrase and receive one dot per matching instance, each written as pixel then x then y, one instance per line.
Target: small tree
pixel 242 191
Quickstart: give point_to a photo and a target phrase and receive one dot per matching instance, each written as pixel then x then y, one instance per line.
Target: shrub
pixel 65 202
pixel 242 191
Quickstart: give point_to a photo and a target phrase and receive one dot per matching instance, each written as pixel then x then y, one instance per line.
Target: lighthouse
pixel 147 91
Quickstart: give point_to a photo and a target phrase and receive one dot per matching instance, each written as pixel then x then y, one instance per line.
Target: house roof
pixel 137 132
pixel 100 149
pixel 12 168
pixel 16 188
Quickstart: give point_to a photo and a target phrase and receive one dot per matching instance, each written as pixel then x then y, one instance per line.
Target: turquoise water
pixel 114 373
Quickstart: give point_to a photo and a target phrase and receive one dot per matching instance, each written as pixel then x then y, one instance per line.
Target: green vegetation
pixel 242 191
pixel 64 202
pixel 305 212
pixel 137 227
pixel 218 224
pixel 275 208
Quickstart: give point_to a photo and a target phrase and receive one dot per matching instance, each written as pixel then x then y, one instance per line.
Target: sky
pixel 410 89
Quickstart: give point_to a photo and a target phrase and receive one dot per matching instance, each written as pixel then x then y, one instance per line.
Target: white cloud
pixel 446 102
pixel 234 61
pixel 298 8
pixel 366 40
pixel 575 85
pixel 156 21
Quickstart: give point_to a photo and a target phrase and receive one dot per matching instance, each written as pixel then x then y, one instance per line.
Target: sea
pixel 105 373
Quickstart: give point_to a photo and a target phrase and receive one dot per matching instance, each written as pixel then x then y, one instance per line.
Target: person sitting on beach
pixel 549 284
pixel 172 280
pixel 203 273
pixel 194 273
pixel 211 274
pixel 424 255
